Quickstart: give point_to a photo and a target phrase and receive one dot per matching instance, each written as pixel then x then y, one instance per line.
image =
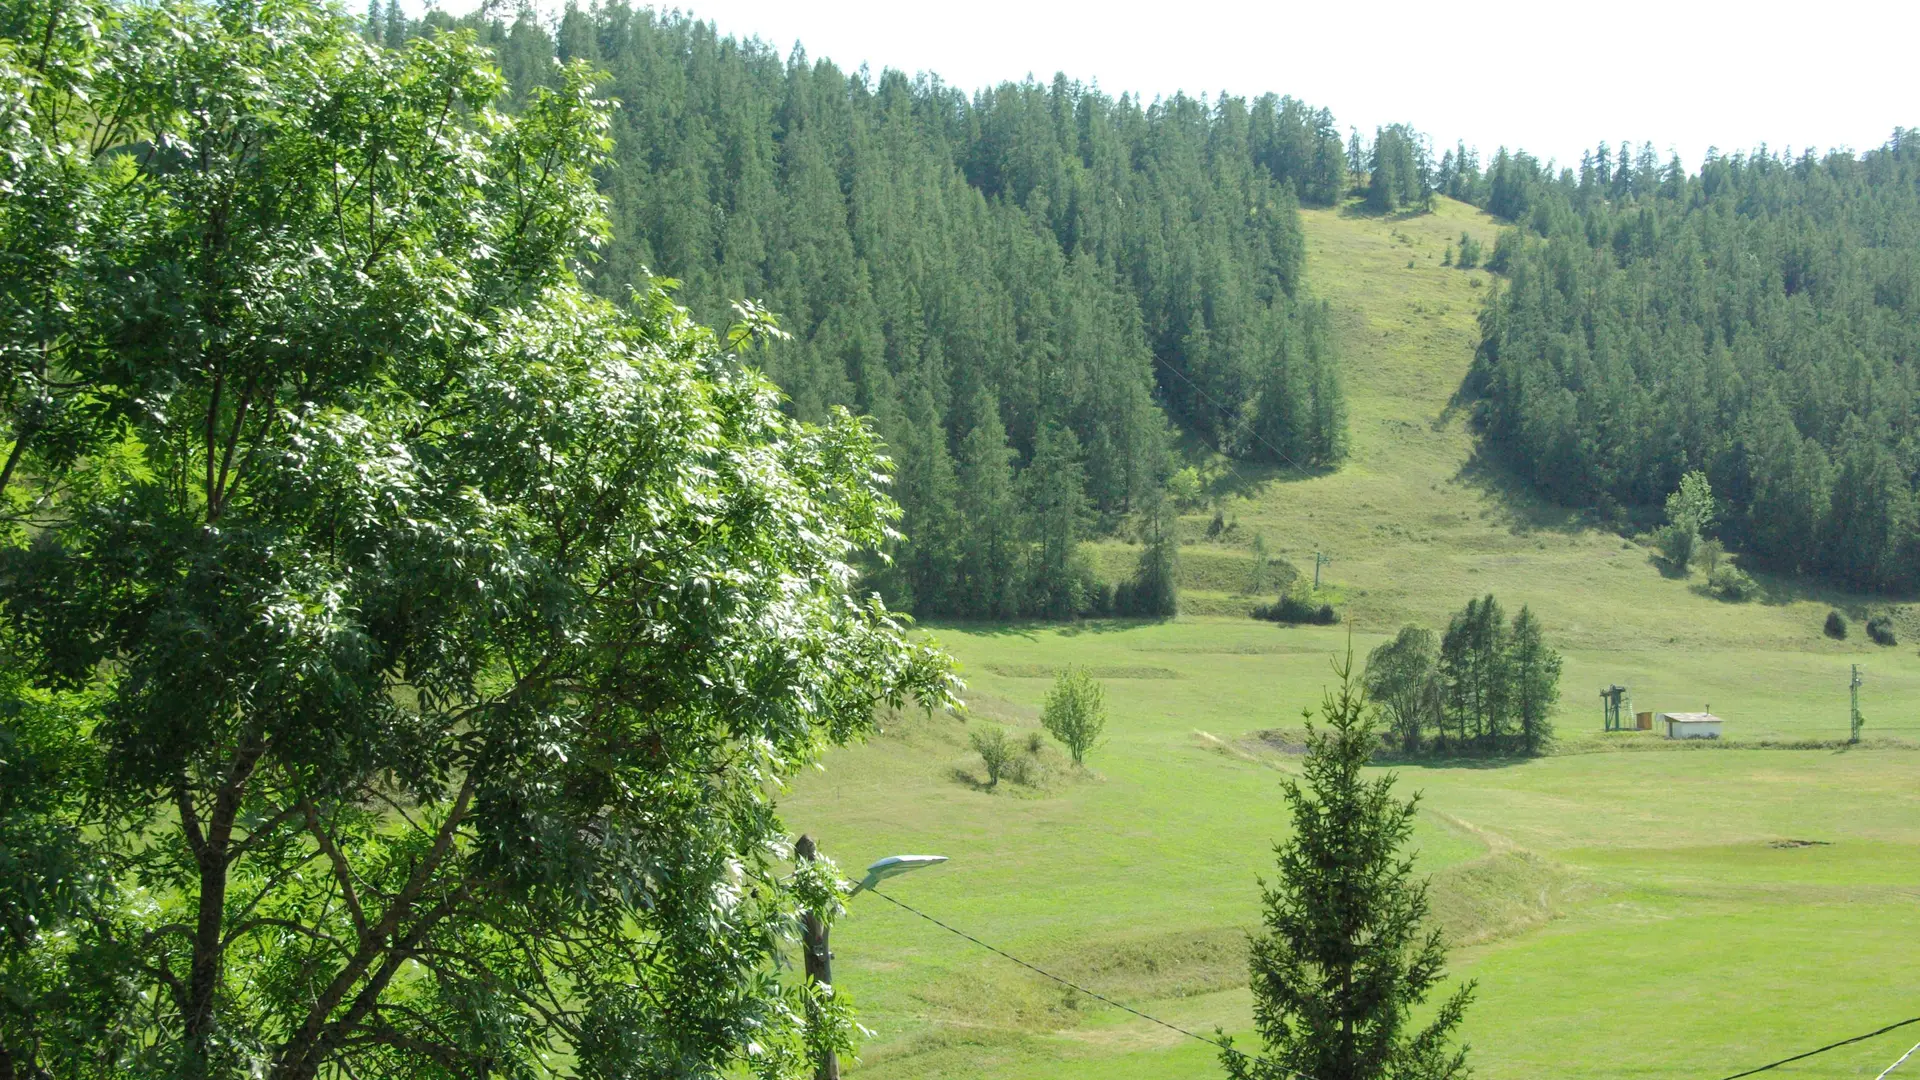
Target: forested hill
pixel 1759 320
pixel 1010 283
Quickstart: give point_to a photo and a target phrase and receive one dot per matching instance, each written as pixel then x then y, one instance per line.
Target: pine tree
pixel 1344 959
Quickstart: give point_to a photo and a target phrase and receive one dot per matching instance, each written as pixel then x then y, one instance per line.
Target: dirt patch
pixel 1279 740
pixel 1800 843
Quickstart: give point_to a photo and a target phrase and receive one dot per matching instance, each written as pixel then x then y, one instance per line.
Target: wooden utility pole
pixel 819 959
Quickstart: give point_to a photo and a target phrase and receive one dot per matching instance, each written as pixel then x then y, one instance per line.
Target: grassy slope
pixel 1626 911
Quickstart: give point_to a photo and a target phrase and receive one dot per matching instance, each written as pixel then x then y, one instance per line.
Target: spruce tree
pixel 1344 958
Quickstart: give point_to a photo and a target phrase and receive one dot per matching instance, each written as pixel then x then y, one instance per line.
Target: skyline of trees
pixel 1112 269
pixel 1023 287
pixel 1757 321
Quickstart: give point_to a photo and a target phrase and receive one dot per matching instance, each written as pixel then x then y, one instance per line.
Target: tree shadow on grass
pixel 1358 208
pixel 1668 569
pixel 1398 759
pixel 1293 742
pixel 1031 629
pixel 966 778
pixel 1515 503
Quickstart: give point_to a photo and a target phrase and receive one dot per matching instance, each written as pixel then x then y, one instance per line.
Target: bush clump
pixel 1880 629
pixel 1297 609
pixel 1732 584
pixel 1836 627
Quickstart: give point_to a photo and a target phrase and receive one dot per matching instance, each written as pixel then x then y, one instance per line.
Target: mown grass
pixel 1625 914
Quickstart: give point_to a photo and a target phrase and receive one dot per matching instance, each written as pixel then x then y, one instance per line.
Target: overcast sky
pixel 1548 76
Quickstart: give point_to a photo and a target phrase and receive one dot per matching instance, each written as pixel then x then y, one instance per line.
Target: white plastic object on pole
pixel 894 866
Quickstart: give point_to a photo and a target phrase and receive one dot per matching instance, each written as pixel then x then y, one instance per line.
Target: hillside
pixel 1599 891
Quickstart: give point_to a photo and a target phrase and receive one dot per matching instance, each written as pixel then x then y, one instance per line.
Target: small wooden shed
pixel 1691 725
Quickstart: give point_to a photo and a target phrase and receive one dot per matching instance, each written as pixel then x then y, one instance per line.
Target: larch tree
pixel 1534 667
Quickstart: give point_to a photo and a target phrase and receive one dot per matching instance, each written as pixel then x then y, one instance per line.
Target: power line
pixel 1301 1076
pixel 1073 985
pixel 1829 1046
pixel 1903 1060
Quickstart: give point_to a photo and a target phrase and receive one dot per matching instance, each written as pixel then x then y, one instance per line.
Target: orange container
pixel 1643 721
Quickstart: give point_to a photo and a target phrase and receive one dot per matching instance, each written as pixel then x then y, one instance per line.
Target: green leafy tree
pixel 1535 670
pixel 1691 514
pixel 1344 959
pixel 1403 678
pixel 1075 712
pixel 436 627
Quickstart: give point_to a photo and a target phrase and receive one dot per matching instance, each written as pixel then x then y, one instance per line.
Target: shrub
pixel 995 749
pixel 1730 583
pixel 1836 627
pixel 1880 629
pixel 1186 488
pixel 1708 554
pixel 1677 543
pixel 1297 608
pixel 1469 253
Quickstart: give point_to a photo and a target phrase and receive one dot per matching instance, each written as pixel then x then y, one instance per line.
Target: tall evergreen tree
pixel 1344 958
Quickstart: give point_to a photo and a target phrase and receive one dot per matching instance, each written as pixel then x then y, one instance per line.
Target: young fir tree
pixel 1344 959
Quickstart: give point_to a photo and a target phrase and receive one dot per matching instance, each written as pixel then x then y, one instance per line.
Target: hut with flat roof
pixel 1691 725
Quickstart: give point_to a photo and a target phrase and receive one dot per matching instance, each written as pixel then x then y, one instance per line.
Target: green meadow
pixel 1628 907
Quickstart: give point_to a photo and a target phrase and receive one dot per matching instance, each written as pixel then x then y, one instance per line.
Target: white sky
pixel 1550 76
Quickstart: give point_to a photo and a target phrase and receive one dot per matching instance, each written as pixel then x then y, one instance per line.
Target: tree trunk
pixel 819 959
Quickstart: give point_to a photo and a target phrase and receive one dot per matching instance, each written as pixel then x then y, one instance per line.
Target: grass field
pixel 1624 913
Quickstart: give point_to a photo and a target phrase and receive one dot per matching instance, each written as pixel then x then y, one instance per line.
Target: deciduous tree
pixel 436 628
pixel 1075 712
